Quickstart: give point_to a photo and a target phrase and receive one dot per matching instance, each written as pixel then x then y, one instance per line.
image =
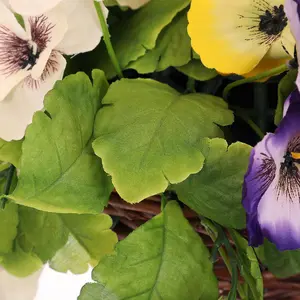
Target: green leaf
pixel 162 259
pixel 89 240
pixel 134 36
pixel 282 264
pixel 249 264
pixel 45 231
pixel 11 152
pixel 59 172
pixel 21 263
pixel 70 241
pixel 8 227
pixel 215 192
pixel 285 87
pixel 195 69
pixel 173 48
pixel 147 135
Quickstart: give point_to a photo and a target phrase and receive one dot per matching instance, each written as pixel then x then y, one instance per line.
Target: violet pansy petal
pixel 260 174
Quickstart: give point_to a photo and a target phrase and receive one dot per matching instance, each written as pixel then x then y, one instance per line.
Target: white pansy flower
pixel 31 59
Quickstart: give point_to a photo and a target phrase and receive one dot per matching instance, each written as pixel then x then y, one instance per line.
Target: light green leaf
pixel 195 69
pixel 11 152
pixel 21 263
pixel 250 269
pixel 134 36
pixel 162 259
pixel 216 191
pixel 282 264
pixel 89 240
pixel 147 134
pixel 8 227
pixel 173 48
pixel 285 87
pixel 59 172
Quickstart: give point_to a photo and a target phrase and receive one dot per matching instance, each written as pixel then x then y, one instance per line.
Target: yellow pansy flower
pixel 244 37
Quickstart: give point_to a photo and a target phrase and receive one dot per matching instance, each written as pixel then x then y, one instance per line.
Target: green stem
pixel 213 233
pixel 255 128
pixel 7 186
pixel 190 86
pixel 234 234
pixel 263 75
pixel 106 37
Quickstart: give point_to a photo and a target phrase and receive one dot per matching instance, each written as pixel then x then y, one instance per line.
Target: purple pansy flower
pixel 271 192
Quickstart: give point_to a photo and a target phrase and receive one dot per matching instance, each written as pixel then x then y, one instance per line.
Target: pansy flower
pixel 31 58
pixel 240 36
pixel 271 193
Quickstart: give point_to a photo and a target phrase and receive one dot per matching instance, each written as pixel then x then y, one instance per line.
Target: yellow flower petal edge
pixel 223 38
pixel 264 65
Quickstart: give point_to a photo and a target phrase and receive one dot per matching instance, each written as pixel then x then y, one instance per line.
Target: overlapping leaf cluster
pixel 141 137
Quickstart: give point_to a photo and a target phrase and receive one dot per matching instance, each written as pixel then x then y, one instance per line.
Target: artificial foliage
pixel 179 99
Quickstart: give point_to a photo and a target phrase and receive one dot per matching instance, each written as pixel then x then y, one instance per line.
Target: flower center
pixel 273 22
pixel 30 56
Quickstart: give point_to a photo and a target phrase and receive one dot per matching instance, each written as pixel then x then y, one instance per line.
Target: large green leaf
pixel 134 36
pixel 195 69
pixel 8 227
pixel 147 134
pixel 173 48
pixel 280 263
pixel 249 264
pixel 59 172
pixel 216 191
pixel 89 240
pixel 11 152
pixel 163 259
pixel 285 87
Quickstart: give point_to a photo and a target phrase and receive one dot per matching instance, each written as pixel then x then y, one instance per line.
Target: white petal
pixel 33 7
pixel 17 110
pixel 12 35
pixel 84 30
pixel 14 288
pixel 134 4
pixel 8 20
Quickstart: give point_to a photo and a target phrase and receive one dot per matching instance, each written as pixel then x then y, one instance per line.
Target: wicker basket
pixel 132 216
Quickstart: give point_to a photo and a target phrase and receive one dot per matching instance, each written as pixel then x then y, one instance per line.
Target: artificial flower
pixel 271 193
pixel 240 36
pixel 31 59
pixel 292 10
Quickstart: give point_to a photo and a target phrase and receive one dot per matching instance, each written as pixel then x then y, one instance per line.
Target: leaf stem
pixel 250 122
pixel 10 176
pixel 263 75
pixel 234 234
pixel 106 37
pixel 213 233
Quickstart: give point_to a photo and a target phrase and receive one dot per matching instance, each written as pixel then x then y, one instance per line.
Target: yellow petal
pixel 226 34
pixel 266 64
